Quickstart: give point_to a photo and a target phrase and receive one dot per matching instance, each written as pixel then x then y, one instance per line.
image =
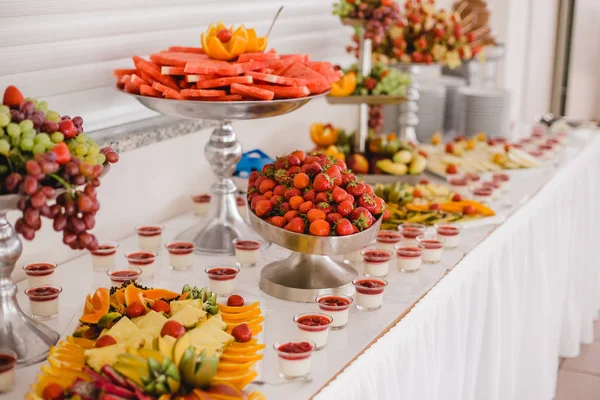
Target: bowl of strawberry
pixel 316 207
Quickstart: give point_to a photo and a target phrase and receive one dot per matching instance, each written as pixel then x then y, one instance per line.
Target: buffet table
pixel 489 321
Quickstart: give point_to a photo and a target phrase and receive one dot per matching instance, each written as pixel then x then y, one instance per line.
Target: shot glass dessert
pixel 369 293
pixel 201 204
pixel 337 306
pixel 221 280
pixel 149 237
pixel 144 260
pixel 376 262
pixel 493 186
pixel 43 300
pixel 118 276
pixel 242 206
pixel 8 360
pixel 450 233
pixel 459 185
pixel 181 254
pixel 432 249
pixel 247 252
pixel 410 231
pixel 314 327
pixel 293 358
pixel 386 239
pixel 503 180
pixel 409 256
pixel 105 256
pixel 39 273
pixel 482 195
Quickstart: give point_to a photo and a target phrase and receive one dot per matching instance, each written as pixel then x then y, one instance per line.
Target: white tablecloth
pixel 495 326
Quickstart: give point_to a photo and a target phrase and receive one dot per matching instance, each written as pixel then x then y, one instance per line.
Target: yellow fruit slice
pixel 244 350
pixel 243 316
pixel 233 367
pixel 65 355
pixel 216 50
pixel 251 323
pixel 251 342
pixel 345 86
pixel 262 43
pixel 256 330
pixel 256 396
pixel 66 364
pixel 81 342
pixel 64 373
pixel 237 310
pixel 65 345
pixel 252 44
pixel 241 358
pixel 236 46
pixel 44 379
pixel 240 379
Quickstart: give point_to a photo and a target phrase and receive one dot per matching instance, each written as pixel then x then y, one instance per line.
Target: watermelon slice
pixel 152 70
pixel 147 78
pixel 132 88
pixel 223 82
pixel 266 70
pixel 176 59
pixel 182 84
pixel 279 80
pixel 171 71
pixel 257 57
pixel 208 67
pixel 251 91
pixel 303 58
pixel 326 69
pixel 286 92
pixel 167 91
pixel 123 80
pixel 137 81
pixel 200 78
pixel 183 49
pixel 202 93
pixel 120 72
pixel 146 90
pixel 250 66
pixel 228 97
pixel 317 83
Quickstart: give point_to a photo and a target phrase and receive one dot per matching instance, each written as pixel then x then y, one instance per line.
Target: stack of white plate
pixel 484 110
pixel 431 104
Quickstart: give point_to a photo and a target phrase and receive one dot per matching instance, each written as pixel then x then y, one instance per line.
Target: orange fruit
pixel 251 342
pixel 81 342
pixel 233 366
pixel 251 323
pixel 241 358
pixel 236 378
pixel 244 350
pixel 236 310
pixel 239 317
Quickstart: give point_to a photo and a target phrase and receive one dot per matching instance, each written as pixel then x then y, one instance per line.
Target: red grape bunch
pixel 375 118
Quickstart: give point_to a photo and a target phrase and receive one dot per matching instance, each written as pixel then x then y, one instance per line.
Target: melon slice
pixel 279 80
pixel 200 78
pixel 176 59
pixel 257 56
pixel 96 306
pixel 202 93
pixel 252 92
pixel 316 82
pixel 207 67
pixel 286 92
pixel 184 49
pixel 223 82
pixel 250 66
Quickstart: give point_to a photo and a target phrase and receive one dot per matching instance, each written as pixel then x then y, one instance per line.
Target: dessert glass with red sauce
pixel 118 276
pixel 314 327
pixel 181 254
pixel 503 180
pixel 247 252
pixel 8 360
pixel 242 206
pixel 409 256
pixel 482 195
pixel 410 231
pixel 376 262
pixel 201 204
pixel 221 279
pixel 39 273
pixel 433 248
pixel 387 239
pixel 450 233
pixel 143 260
pixel 369 292
pixel 337 306
pixel 294 358
pixel 149 237
pixel 105 256
pixel 43 300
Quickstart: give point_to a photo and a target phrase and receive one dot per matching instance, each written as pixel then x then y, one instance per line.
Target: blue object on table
pixel 253 160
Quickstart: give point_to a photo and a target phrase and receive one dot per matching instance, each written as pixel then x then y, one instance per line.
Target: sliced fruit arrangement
pixel 231 65
pixel 381 81
pixel 427 204
pixel 315 195
pixel 189 348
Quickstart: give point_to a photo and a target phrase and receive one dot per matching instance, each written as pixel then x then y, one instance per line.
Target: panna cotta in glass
pixel 118 276
pixel 247 252
pixel 376 262
pixel 459 185
pixel 409 256
pixel 482 195
pixel 221 280
pixel 181 254
pixel 432 249
pixel 503 180
pixel 493 186
pixel 149 237
pixel 410 231
pixel 337 306
pixel 293 358
pixel 39 273
pixel 450 233
pixel 386 239
pixel 201 204
pixel 314 327
pixel 242 206
pixel 143 260
pixel 8 360
pixel 43 300
pixel 105 256
pixel 369 293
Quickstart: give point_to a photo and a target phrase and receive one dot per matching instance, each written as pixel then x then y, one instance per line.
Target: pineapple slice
pixel 97 357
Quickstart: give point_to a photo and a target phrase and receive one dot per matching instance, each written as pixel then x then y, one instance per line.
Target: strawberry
pixel 105 340
pixel 268 169
pixel 281 163
pixel 319 227
pixel 255 201
pixel 161 306
pixel 296 224
pixel 311 195
pixel 266 185
pixel 241 333
pixel 469 210
pixel 301 180
pixel 135 309
pixel 284 207
pixel 332 218
pixel 315 214
pixel 362 218
pixel 294 170
pixel 235 300
pixel 379 205
pixel 344 227
pixel 451 169
pixel 345 208
pixel 338 194
pixel 350 198
pixel 347 177
pixel 324 197
pixel 435 207
pixel 279 190
pixel 288 194
pixel 282 177
pixel 276 200
pixel 299 154
pixel 369 190
pixel 456 197
pixel 386 214
pixel 259 180
pixel 293 161
pixel 341 165
pixel 335 173
pixel 417 194
pixel 263 208
pixel 306 207
pixel 278 221
pixel 325 207
pixel 253 195
pixel 367 201
pixel 311 169
pixel 12 97
pixel 323 182
pixel 289 215
pixel 356 188
pixel 314 159
pixel 252 178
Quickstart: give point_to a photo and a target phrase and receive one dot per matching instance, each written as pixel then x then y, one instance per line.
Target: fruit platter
pixel 135 342
pixel 427 204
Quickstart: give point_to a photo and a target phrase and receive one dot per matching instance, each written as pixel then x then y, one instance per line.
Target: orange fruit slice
pixel 233 367
pixel 241 358
pixel 256 396
pixel 238 379
pixel 256 330
pixel 237 310
pixel 345 86
pixel 64 373
pixel 244 350
pixel 81 342
pixel 61 362
pixel 243 316
pixel 251 342
pixel 251 323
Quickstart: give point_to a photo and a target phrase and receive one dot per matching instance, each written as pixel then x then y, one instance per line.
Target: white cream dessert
pixel 242 206
pixel 369 293
pixel 337 306
pixel 43 300
pixel 201 204
pixel 314 327
pixel 247 252
pixel 376 262
pixel 293 358
pixel 8 360
pixel 450 233
pixel 119 276
pixel 482 195
pixel 149 237
pixel 221 280
pixel 459 185
pixel 494 186
pixel 39 273
pixel 143 260
pixel 503 180
pixel 432 249
pixel 410 231
pixel 409 257
pixel 181 254
pixel 105 256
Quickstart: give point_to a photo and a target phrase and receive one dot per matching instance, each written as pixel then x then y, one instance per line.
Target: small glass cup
pixel 337 306
pixel 201 204
pixel 376 262
pixel 118 276
pixel 39 273
pixel 386 239
pixel 8 361
pixel 433 248
pixel 410 231
pixel 149 237
pixel 144 260
pixel 409 256
pixel 221 279
pixel 105 256
pixel 450 233
pixel 314 327
pixel 294 358
pixel 247 252
pixel 482 195
pixel 181 255
pixel 242 206
pixel 369 293
pixel 43 301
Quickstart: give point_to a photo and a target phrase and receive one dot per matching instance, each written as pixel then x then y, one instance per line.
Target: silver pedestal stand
pixel 407 112
pixel 31 341
pixel 309 271
pixel 223 151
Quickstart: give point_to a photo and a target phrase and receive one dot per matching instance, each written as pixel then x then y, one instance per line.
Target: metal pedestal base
pixel 302 277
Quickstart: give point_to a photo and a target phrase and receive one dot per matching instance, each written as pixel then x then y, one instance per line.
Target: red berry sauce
pixel 104 250
pixel 448 230
pixel 141 258
pixel 222 273
pixel 149 230
pixel 369 286
pixel 246 245
pixel 296 351
pixel 314 322
pixel 334 303
pixel 431 244
pixel 409 252
pixel 389 237
pixel 201 198
pixel 42 293
pixel 376 256
pixel 181 248
pixel 7 362
pixel 39 269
